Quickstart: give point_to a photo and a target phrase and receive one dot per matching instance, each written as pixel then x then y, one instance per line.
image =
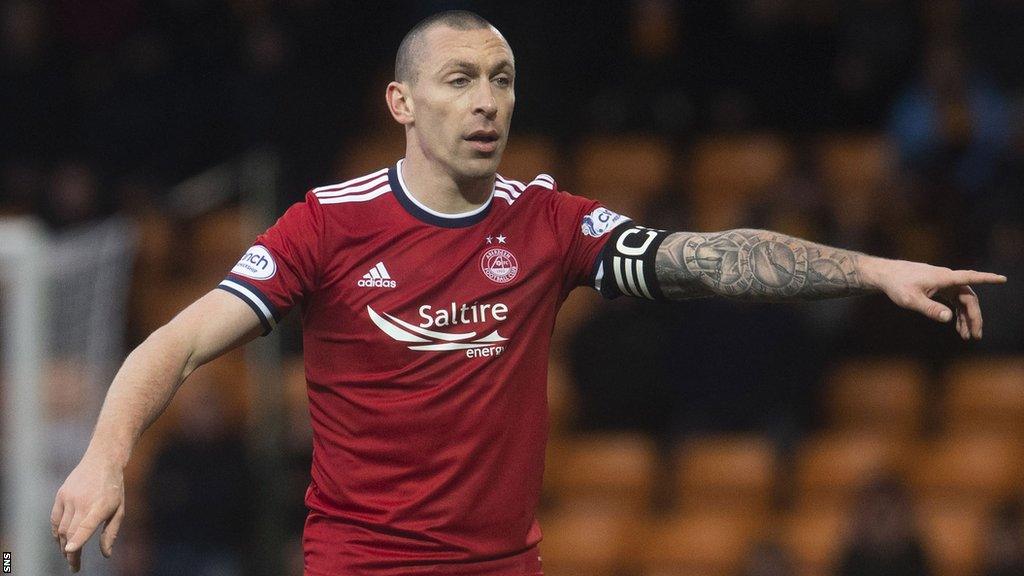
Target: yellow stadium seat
pixel 953 535
pixel 158 304
pixel 815 537
pixel 985 395
pixel 878 395
pixel 612 469
pixel 831 468
pixel 156 243
pixel 219 239
pixel 624 172
pixel 586 541
pixel 729 173
pixel 726 473
pixel 528 155
pixel 701 543
pixel 561 397
pixel 850 162
pixel 368 153
pixel 974 468
pixel 856 170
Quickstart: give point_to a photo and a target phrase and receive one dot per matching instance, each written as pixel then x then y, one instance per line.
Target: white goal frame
pixel 25 505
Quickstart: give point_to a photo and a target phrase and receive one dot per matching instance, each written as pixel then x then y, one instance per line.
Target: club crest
pixel 499 265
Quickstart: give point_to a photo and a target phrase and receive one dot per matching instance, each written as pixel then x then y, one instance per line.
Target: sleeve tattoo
pixel 754 265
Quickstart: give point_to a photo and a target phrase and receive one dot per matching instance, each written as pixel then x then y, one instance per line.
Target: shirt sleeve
pixel 584 226
pixel 282 266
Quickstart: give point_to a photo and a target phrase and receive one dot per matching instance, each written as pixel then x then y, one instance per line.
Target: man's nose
pixel 485 103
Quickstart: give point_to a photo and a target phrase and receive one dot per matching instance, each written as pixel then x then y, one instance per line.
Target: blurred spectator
pixel 885 540
pixel 768 559
pixel 73 196
pixel 952 123
pixel 199 489
pixel 1004 550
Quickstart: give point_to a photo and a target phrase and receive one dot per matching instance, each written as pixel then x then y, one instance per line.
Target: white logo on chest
pixel 377 277
pixel 422 338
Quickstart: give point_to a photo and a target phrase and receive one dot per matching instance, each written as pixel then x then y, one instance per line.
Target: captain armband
pixel 627 262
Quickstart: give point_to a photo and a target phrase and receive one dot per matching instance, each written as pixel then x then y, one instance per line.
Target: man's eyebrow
pixel 457 64
pixel 466 65
pixel 504 64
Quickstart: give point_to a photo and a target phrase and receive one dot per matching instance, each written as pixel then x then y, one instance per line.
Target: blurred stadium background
pixel 148 142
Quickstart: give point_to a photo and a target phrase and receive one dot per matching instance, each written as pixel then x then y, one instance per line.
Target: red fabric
pixel 427 461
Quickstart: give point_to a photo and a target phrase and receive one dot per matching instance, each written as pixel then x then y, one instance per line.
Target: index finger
pixel 84 531
pixel 973 277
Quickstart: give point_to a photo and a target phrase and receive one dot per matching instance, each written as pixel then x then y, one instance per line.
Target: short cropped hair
pixel 411 48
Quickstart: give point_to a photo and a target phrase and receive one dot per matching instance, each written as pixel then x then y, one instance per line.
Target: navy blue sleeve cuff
pixel 251 295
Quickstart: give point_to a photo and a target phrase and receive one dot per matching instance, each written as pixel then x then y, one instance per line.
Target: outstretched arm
pixel 93 493
pixel 768 266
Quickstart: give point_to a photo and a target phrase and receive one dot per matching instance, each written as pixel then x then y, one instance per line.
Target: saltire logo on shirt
pixel 423 339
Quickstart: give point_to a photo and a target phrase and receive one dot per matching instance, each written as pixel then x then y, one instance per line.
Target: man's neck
pixel 436 189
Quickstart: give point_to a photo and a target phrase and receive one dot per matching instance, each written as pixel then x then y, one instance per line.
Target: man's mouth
pixel 483 136
pixel 483 140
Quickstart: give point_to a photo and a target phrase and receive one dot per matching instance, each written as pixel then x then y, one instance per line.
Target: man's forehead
pixel 483 46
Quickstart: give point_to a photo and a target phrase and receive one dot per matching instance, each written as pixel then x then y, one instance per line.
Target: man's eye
pixel 503 81
pixel 460 81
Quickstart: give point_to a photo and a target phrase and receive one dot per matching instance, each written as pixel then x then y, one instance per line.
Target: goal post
pixel 62 312
pixel 24 523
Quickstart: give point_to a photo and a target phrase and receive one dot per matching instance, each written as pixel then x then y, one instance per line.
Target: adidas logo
pixel 377 277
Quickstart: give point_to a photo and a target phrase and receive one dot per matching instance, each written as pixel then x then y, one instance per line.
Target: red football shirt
pixel 426 348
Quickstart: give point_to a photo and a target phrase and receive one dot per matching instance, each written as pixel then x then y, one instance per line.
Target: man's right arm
pixel 93 493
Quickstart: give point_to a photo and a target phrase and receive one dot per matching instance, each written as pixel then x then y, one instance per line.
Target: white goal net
pixel 62 303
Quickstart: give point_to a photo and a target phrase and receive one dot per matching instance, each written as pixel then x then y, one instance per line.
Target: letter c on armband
pixel 628 262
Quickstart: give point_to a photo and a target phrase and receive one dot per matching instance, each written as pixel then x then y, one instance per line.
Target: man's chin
pixel 483 166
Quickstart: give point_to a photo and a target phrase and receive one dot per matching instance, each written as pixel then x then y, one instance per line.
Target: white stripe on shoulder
pixel 375 193
pixel 353 189
pixel 513 183
pixel 544 181
pixel 505 187
pixel 504 196
pixel 352 182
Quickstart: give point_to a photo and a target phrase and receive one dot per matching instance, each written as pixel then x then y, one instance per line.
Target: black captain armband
pixel 627 262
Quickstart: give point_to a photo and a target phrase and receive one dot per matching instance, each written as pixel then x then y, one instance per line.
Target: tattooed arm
pixel 762 265
pixel 756 265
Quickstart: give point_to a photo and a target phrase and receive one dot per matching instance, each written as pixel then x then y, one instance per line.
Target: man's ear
pixel 400 102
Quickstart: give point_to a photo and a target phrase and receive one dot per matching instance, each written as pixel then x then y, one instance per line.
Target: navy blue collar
pixel 424 214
